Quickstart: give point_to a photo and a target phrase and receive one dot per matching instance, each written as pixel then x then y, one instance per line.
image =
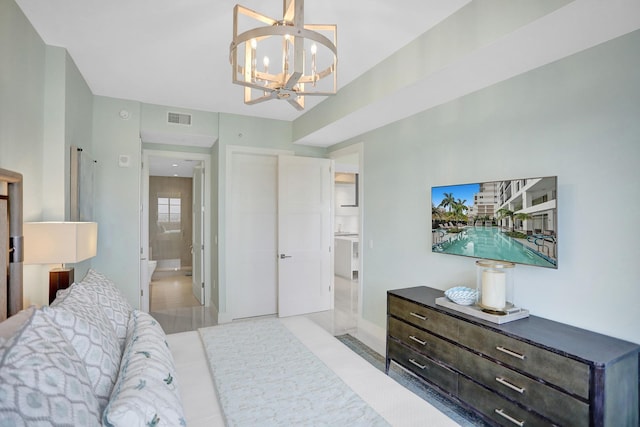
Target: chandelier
pixel 284 59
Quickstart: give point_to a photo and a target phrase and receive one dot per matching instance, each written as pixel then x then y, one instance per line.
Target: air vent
pixel 179 118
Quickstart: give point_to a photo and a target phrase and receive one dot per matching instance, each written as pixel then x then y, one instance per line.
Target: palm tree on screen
pixel 448 201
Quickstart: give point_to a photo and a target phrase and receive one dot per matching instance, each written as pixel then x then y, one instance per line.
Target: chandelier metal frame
pixel 292 82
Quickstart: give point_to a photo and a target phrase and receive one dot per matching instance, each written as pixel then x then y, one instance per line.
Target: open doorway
pixel 176 239
pixel 347 234
pixel 171 231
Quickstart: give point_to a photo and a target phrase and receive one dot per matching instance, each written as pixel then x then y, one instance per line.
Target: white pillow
pixel 89 331
pixel 113 303
pixel 146 392
pixel 42 379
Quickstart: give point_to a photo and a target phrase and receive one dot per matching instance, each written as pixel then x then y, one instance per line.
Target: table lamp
pixel 59 243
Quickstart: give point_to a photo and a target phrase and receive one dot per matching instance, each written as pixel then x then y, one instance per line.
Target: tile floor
pixel 177 310
pixel 174 306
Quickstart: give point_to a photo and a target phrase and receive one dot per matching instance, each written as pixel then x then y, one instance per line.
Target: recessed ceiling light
pixel 175 174
pixel 175 165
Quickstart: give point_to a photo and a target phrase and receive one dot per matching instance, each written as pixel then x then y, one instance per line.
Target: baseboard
pixel 373 336
pixel 224 317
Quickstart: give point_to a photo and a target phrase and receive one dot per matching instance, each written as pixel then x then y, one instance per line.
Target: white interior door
pixel 251 234
pixel 304 235
pixel 197 279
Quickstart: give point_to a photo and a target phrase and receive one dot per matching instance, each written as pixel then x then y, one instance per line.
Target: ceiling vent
pixel 179 118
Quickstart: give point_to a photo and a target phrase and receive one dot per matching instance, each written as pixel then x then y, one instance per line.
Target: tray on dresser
pixel 476 311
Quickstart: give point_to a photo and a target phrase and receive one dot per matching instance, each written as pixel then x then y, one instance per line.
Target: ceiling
pixel 172 167
pixel 176 53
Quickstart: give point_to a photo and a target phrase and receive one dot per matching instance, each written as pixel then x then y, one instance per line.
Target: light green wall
pixel 54 171
pixel 117 189
pixel 45 106
pixel 22 77
pixel 577 119
pixel 78 122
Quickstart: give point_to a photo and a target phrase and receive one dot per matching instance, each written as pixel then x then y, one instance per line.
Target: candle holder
pixel 494 286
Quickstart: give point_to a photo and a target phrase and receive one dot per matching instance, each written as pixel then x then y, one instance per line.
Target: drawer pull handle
pixel 418 340
pixel 417 315
pixel 413 362
pixel 508 384
pixel 510 418
pixel 510 353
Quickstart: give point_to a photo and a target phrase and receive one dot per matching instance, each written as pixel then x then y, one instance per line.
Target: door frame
pixel 198 214
pixel 144 203
pixel 358 149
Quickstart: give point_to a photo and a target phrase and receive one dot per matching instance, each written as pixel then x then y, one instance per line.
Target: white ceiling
pixel 172 167
pixel 175 53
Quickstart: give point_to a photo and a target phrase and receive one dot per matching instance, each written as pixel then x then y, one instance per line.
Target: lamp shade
pixel 59 242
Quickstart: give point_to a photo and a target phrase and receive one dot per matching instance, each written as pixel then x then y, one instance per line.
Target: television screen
pixel 513 220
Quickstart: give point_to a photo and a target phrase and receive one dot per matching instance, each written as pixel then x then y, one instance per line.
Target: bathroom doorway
pixel 177 209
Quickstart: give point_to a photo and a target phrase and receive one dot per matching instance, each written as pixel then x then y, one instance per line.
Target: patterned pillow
pixel 113 303
pixel 146 393
pixel 42 379
pixel 91 334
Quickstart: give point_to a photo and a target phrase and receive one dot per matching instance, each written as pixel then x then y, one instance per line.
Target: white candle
pixel 494 289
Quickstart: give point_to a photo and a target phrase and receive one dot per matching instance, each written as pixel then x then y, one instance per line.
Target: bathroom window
pixel 169 209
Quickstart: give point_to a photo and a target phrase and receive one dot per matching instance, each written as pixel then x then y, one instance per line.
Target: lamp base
pixel 59 278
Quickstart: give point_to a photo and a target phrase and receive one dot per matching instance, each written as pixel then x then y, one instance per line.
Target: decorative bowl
pixel 461 295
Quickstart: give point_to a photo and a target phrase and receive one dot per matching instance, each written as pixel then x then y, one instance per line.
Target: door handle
pixel 283 256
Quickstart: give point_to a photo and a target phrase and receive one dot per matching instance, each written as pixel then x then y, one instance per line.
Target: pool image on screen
pixel 512 220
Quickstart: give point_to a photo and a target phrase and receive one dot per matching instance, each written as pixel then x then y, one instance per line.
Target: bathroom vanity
pixel 346 255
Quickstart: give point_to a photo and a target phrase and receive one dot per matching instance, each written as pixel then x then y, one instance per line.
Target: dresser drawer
pixel 423 367
pixel 498 409
pixel 559 407
pixel 423 342
pixel 423 317
pixel 553 368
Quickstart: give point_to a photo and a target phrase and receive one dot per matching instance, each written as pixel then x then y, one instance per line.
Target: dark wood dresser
pixel 531 371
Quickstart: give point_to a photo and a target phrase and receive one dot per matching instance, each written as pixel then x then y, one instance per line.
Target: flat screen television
pixel 513 220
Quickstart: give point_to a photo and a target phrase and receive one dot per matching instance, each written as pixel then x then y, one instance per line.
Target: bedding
pixel 76 364
pixel 57 364
pixel 397 405
pixel 265 376
pixel 89 331
pixel 42 378
pixel 147 389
